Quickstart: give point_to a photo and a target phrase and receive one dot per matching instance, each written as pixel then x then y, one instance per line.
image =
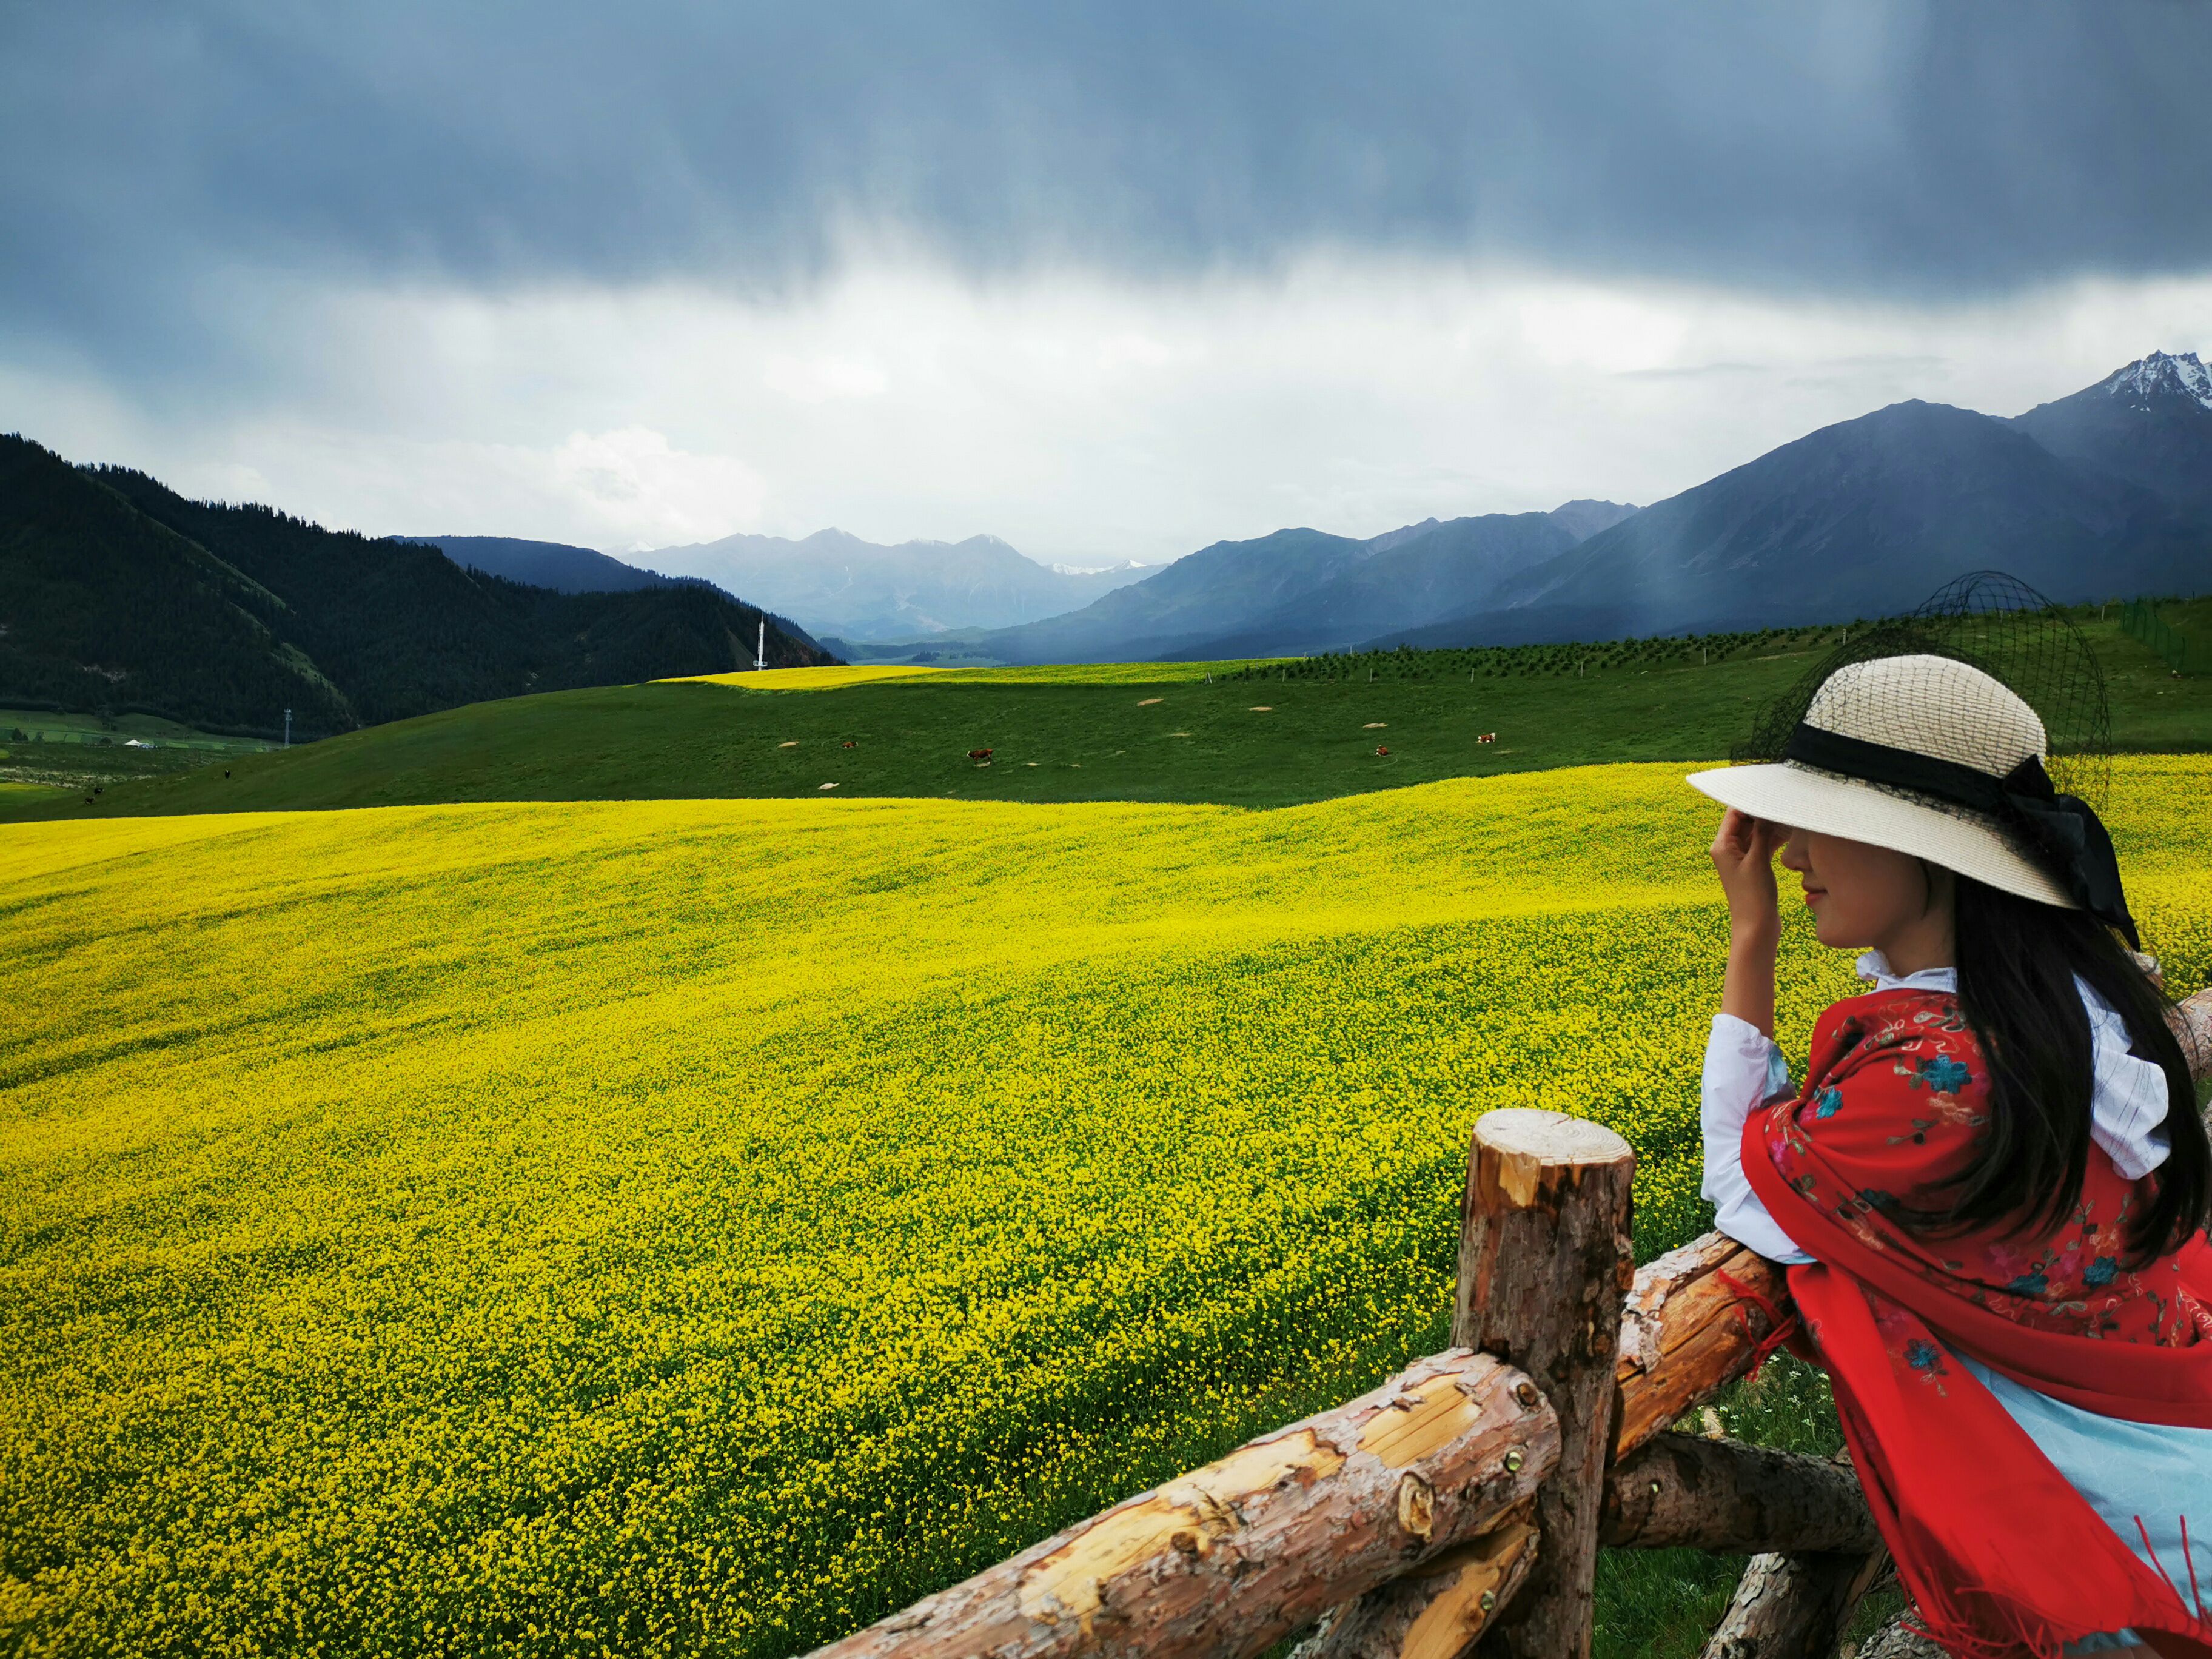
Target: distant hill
pixel 1207 595
pixel 116 594
pixel 1860 519
pixel 1446 569
pixel 1583 519
pixel 557 565
pixel 2150 424
pixel 1303 590
pixel 836 583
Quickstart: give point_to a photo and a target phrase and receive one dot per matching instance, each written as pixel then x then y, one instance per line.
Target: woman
pixel 1991 1191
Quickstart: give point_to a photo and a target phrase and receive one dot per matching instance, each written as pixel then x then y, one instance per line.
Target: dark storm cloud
pixel 150 153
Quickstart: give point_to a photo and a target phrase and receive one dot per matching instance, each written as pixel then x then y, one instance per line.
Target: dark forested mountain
pixel 117 593
pixel 1862 518
pixel 2150 424
pixel 556 565
pixel 836 583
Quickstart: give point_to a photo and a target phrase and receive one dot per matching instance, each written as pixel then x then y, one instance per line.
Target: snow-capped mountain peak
pixel 2163 374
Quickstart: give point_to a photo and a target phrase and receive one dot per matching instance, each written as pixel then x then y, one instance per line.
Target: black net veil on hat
pixel 2049 811
pixel 1998 624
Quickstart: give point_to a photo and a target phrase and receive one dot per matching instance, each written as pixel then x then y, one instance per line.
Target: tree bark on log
pixel 1795 1607
pixel 1543 1260
pixel 1687 1333
pixel 1227 1561
pixel 2191 1019
pixel 1732 1499
pixel 1894 1641
pixel 1440 1609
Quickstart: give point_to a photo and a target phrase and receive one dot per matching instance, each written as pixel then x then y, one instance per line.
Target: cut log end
pixel 1528 1154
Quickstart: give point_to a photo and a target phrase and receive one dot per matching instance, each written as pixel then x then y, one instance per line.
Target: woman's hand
pixel 1743 853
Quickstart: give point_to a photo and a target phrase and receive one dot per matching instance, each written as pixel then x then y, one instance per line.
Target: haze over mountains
pixel 117 592
pixel 862 590
pixel 2107 491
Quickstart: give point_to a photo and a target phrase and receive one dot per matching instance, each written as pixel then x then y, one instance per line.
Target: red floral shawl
pixel 2002 1554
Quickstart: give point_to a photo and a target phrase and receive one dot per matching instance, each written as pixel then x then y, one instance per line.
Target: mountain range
pixel 863 590
pixel 2107 491
pixel 116 592
pixel 119 595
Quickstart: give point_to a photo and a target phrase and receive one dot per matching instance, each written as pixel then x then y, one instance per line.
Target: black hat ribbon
pixel 2063 831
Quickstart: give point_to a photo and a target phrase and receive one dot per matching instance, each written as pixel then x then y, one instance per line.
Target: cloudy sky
pixel 1110 280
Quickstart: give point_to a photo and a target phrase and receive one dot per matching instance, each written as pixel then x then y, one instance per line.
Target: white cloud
pixel 651 492
pixel 1085 419
pixel 818 380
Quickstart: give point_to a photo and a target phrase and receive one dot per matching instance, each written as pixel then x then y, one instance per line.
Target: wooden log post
pixel 1794 1606
pixel 1543 1260
pixel 1684 1492
pixel 1226 1561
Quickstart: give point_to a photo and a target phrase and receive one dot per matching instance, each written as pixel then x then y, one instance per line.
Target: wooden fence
pixel 1461 1504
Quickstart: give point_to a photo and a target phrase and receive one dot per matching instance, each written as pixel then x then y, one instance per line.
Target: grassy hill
pixel 1248 734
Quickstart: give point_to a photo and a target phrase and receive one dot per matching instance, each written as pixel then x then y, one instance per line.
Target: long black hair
pixel 2018 961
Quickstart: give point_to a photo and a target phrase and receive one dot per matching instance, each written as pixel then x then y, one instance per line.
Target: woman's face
pixel 1863 896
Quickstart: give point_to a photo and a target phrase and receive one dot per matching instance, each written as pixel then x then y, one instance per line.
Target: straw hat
pixel 1924 755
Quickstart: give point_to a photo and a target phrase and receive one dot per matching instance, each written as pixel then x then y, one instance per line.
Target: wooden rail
pixel 1239 1555
pixel 1458 1508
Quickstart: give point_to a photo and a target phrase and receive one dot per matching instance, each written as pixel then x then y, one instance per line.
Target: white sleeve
pixel 2127 1111
pixel 1744 1069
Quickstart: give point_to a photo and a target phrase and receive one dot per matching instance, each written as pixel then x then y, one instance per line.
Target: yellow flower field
pixel 700 1227
pixel 806 679
pixel 1076 673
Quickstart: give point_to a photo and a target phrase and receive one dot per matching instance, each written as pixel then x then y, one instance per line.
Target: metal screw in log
pixel 1225 1561
pixel 1543 1257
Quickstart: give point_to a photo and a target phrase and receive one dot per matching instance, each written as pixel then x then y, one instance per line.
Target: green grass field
pixel 48 760
pixel 1272 737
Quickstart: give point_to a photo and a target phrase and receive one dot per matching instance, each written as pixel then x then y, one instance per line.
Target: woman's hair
pixel 2018 960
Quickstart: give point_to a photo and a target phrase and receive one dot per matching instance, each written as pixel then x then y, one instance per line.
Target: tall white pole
pixel 760 648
